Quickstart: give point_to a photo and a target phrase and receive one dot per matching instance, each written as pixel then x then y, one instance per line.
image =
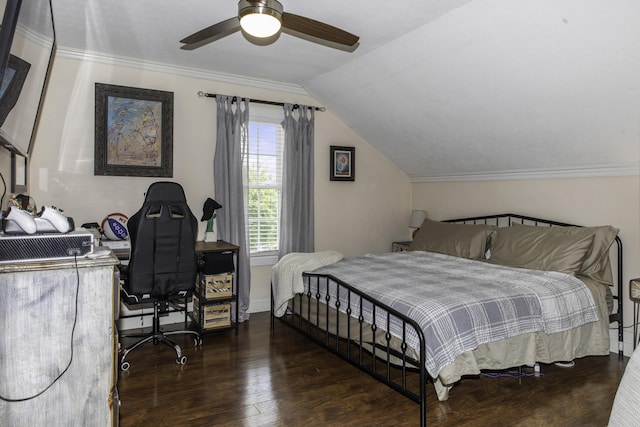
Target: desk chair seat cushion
pixel 135 299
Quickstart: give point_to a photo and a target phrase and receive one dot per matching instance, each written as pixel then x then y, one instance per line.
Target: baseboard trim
pixel 260 305
pixel 627 343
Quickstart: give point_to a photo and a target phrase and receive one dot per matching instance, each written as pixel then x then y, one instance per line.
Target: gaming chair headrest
pixel 165 191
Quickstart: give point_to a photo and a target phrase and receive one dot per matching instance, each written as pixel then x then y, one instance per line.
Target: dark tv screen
pixel 24 77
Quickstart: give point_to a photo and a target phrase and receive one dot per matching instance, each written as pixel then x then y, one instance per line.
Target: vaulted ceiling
pixel 455 88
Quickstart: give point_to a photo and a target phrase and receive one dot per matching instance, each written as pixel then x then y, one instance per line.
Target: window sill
pixel 264 258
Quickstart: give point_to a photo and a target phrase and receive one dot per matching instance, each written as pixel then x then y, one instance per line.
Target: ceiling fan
pixel 262 21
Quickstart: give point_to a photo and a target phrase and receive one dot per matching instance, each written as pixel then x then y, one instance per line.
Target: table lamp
pixel 416 220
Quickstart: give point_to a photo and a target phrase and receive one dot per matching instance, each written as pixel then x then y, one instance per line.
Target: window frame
pixel 266 115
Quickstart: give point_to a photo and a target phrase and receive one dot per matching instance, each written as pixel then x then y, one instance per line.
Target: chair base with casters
pixel 157 335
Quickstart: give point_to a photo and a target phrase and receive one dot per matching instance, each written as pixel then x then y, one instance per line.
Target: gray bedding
pixel 528 348
pixel 461 304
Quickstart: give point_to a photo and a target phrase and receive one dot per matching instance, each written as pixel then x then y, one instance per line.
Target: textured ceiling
pixel 442 88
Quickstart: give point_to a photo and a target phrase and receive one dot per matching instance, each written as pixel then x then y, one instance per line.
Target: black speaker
pixel 217 262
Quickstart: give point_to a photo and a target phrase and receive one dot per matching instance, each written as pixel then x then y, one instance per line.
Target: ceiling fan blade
pixel 211 34
pixel 322 42
pixel 318 32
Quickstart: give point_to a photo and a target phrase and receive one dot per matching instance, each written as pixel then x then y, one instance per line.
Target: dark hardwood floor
pixel 260 379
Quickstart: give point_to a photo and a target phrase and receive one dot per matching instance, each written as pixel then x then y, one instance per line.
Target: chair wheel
pixel 197 341
pixel 124 366
pixel 181 360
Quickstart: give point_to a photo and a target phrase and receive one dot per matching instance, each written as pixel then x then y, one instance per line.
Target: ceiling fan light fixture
pixel 261 18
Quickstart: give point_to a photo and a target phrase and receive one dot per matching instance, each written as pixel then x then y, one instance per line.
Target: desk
pixel 200 299
pixel 38 309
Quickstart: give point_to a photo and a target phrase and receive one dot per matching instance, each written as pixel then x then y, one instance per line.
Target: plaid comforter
pixel 460 304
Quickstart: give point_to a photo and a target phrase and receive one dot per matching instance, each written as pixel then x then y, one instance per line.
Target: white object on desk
pixel 100 252
pixel 116 244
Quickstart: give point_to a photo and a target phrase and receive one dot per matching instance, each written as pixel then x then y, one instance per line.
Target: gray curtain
pixel 231 146
pixel 296 211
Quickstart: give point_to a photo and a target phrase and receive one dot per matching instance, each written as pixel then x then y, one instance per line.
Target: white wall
pixel 5 169
pixel 352 217
pixel 582 201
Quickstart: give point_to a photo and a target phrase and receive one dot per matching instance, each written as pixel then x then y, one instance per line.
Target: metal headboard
pixel 505 220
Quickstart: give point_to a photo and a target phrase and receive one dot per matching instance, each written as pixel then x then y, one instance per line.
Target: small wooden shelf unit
pixel 216 288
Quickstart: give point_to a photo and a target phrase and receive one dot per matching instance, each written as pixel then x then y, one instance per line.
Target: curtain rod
pixel 259 101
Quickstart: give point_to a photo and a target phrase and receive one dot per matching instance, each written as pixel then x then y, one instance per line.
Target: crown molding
pixel 143 65
pixel 626 169
pixel 34 37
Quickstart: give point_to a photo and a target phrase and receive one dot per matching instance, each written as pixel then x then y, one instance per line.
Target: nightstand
pixel 402 246
pixel 634 295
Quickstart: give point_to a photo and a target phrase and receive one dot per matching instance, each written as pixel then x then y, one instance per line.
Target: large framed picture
pixel 12 83
pixel 343 163
pixel 133 131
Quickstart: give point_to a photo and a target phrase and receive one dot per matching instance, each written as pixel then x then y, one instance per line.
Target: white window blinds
pixel 263 185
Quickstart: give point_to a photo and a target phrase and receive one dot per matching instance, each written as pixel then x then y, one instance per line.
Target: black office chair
pixel 162 264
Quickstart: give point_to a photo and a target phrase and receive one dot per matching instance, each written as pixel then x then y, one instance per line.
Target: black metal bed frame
pixel 390 364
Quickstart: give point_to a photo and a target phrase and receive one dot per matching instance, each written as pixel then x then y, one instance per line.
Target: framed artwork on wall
pixel 343 163
pixel 133 131
pixel 12 82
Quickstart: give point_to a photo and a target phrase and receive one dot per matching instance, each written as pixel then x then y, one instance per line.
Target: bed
pixel 472 294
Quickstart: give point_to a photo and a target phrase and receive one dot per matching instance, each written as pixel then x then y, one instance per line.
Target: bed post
pixel 619 315
pixel 271 316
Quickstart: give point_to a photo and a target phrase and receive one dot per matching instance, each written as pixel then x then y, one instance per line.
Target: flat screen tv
pixel 27 47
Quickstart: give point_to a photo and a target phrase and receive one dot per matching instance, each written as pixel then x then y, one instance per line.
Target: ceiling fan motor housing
pixel 264 7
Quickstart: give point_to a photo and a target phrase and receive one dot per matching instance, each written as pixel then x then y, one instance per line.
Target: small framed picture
pixel 343 162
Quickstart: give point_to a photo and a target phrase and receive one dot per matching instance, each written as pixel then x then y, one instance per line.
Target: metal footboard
pixel 356 327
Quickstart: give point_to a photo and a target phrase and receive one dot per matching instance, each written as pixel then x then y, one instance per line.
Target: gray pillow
pixel 596 263
pixel 540 248
pixel 461 240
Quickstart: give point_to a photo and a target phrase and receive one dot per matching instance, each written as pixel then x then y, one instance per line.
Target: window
pixel 263 184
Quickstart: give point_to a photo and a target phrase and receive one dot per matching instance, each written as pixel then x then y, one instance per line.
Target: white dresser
pixel 58 343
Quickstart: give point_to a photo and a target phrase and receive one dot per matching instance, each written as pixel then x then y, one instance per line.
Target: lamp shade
pixel 260 18
pixel 417 218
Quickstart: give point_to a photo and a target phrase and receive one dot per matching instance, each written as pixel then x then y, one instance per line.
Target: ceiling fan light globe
pixel 260 25
pixel 260 18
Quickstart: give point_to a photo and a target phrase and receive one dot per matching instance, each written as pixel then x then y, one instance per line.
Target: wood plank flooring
pixel 257 378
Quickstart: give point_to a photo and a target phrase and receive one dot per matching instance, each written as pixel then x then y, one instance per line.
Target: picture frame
pixel 343 163
pixel 12 82
pixel 133 131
